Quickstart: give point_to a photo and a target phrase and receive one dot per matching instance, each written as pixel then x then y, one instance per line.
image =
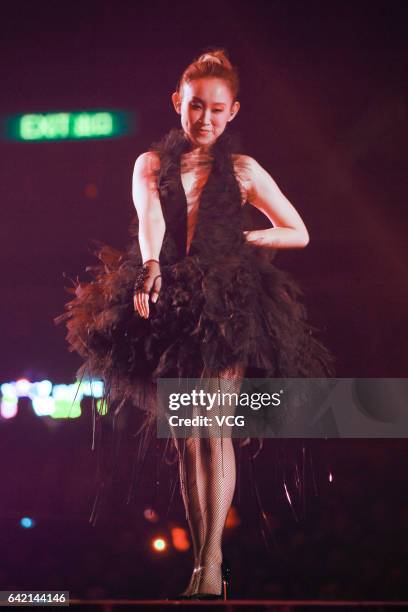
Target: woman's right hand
pixel 147 285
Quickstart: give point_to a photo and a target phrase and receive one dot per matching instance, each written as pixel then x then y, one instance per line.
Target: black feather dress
pixel 225 302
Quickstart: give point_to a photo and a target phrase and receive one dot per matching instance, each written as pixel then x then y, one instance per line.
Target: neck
pixel 198 149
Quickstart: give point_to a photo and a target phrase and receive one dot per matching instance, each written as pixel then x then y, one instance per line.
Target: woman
pixel 207 301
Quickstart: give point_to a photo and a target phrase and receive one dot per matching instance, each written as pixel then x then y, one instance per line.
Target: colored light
pixel 92 387
pixel 23 387
pixel 27 522
pixel 34 127
pixel 43 406
pixel 8 408
pixel 180 539
pixel 91 191
pixel 67 401
pixel 233 518
pixel 159 544
pixel 8 390
pixel 150 515
pixel 42 388
pixel 102 406
pixel 58 401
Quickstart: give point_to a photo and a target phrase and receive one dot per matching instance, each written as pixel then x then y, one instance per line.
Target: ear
pixel 176 99
pixel 234 110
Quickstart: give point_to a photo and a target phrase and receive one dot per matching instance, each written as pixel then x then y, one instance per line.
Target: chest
pixel 193 182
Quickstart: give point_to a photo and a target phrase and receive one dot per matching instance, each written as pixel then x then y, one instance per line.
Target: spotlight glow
pixel 180 539
pixel 159 544
pixel 233 518
pixel 58 401
pixel 151 515
pixel 43 406
pixel 23 387
pixel 8 408
pixel 42 388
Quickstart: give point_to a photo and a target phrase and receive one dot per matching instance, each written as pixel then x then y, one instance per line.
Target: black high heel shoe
pixel 225 584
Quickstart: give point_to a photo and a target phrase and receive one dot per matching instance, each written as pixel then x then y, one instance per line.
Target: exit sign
pixel 68 125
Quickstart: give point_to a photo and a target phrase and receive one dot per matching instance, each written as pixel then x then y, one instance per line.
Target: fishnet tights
pixel 207 478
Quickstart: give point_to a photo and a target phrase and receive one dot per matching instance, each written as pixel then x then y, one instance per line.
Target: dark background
pixel 324 110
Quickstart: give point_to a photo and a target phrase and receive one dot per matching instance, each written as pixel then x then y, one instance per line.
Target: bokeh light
pixel 151 515
pixel 180 539
pixel 159 544
pixel 233 518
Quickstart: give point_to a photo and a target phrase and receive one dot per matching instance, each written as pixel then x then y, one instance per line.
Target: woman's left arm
pixel 288 229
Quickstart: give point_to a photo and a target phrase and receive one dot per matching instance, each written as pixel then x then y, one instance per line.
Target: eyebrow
pixel 197 99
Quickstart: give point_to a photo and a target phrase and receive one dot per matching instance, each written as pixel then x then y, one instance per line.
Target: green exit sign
pixel 68 126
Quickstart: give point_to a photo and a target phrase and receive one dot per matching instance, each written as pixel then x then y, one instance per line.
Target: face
pixel 206 106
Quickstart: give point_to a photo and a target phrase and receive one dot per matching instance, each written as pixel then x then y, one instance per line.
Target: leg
pixel 187 450
pixel 216 476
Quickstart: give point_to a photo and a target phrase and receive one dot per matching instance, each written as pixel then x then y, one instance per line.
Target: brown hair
pixel 212 63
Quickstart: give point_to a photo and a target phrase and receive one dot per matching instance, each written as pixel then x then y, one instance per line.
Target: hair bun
pixel 209 57
pixel 216 56
pixel 212 63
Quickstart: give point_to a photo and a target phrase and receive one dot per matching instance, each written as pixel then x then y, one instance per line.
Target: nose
pixel 206 117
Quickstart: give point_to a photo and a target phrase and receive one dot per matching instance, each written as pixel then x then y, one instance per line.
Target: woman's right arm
pixel 147 203
pixel 151 221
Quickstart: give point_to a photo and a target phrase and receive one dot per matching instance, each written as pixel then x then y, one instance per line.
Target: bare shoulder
pixel 240 159
pixel 248 168
pixel 250 173
pixel 145 174
pixel 243 174
pixel 248 164
pixel 147 163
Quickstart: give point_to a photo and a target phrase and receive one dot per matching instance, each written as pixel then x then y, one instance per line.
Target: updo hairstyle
pixel 214 63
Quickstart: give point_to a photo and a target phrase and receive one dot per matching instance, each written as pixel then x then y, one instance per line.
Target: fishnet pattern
pixel 207 477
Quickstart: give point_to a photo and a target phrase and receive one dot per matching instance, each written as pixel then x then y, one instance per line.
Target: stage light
pixel 180 539
pixel 150 515
pixel 233 518
pixel 91 191
pixel 42 388
pixel 58 401
pixel 67 401
pixel 92 387
pixel 159 544
pixel 102 406
pixel 27 522
pixel 23 387
pixel 8 408
pixel 8 390
pixel 43 406
pixel 78 125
